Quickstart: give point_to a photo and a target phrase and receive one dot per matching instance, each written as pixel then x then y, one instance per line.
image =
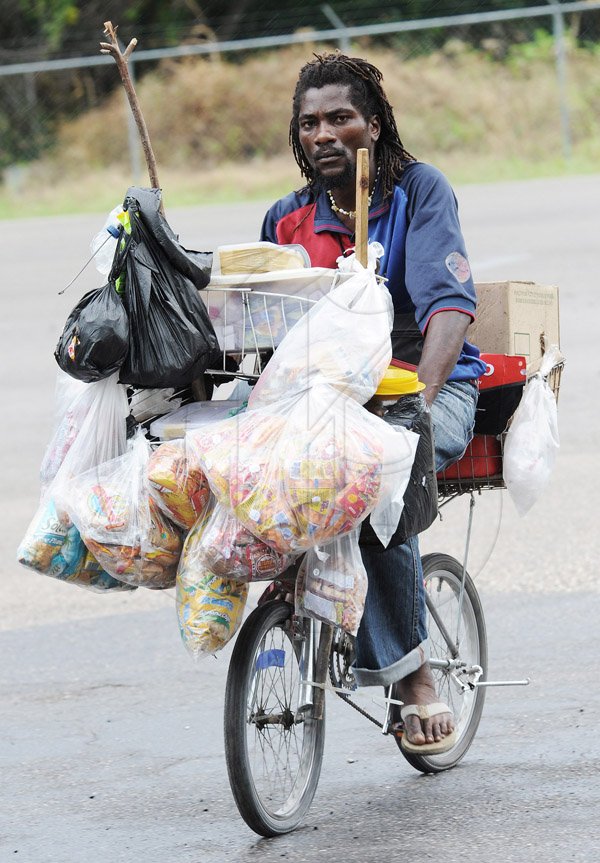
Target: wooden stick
pixel 121 58
pixel 362 205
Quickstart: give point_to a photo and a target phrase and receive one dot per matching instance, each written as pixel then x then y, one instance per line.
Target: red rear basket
pixel 480 467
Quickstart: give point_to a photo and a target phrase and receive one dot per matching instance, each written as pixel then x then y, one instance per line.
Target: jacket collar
pixel 327 220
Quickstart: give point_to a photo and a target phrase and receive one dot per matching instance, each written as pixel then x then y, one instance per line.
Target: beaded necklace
pixel 352 213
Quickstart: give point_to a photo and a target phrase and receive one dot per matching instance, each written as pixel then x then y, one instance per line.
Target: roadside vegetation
pixel 220 129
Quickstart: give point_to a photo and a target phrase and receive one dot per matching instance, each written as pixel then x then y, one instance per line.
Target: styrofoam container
pixel 194 415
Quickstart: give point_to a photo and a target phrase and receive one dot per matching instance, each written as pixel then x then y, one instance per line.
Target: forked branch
pixel 121 58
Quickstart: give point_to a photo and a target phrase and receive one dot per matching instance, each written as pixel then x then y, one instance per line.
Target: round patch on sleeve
pixel 458 266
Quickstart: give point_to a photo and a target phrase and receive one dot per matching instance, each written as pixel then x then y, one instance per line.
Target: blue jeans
pixel 392 637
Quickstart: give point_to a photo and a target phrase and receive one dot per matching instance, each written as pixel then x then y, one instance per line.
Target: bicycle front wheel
pixel 273 744
pixel 464 627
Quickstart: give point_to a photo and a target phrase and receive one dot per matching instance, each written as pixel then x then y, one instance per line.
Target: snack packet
pixel 179 488
pixel 220 544
pixel 210 609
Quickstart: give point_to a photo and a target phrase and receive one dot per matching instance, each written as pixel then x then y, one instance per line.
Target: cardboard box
pixel 515 318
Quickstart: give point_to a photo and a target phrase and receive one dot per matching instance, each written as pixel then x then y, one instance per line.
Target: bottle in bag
pixel 104 244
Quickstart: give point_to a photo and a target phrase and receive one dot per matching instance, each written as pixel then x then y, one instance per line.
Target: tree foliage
pixel 59 25
pixel 31 106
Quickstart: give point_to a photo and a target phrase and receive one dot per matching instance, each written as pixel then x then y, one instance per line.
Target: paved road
pixel 111 746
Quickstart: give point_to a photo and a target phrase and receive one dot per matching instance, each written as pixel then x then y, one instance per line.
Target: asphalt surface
pixel 112 747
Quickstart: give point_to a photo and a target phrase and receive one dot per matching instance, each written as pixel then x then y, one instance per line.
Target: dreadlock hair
pixel 367 96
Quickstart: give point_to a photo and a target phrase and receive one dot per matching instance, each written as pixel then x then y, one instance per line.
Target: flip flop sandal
pixel 427 711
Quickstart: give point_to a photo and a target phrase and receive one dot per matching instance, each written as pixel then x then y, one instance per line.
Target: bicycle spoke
pixel 277 749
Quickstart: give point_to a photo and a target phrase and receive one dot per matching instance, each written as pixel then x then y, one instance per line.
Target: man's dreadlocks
pixel 367 96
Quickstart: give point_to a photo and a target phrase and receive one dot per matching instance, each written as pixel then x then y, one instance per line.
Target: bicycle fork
pixel 313 664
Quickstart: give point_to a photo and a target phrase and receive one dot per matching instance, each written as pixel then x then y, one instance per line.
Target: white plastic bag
pixel 332 583
pixel 532 440
pixel 343 341
pixel 149 403
pixel 89 426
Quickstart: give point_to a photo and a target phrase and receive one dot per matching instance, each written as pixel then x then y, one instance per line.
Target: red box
pixel 500 390
pixel 502 370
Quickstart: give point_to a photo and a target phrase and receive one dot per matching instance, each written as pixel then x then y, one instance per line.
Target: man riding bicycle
pixel 339 106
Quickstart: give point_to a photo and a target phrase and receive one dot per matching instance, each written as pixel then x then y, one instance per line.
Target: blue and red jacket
pixel 425 261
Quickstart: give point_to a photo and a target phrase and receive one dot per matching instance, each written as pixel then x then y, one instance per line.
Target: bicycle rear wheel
pixel 273 744
pixel 465 625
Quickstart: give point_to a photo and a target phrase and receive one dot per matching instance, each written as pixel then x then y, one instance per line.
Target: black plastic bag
pixel 420 497
pixel 95 338
pixel 172 340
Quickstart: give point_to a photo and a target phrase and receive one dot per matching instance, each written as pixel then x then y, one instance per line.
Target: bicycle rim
pixel 465 624
pixel 273 749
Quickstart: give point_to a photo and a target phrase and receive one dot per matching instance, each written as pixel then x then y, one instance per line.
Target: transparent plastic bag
pixel 532 439
pixel 210 608
pixel 420 498
pixel 179 488
pixel 220 544
pixel 343 341
pixel 89 426
pixel 300 473
pixel 53 546
pixel 332 583
pixel 120 523
pixel 91 430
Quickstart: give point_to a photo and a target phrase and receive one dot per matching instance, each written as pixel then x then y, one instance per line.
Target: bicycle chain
pixel 364 713
pixel 347 698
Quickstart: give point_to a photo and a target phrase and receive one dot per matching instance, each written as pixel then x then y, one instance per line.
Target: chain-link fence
pixel 463 82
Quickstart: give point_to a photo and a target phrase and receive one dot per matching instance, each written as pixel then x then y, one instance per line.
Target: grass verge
pixel 100 190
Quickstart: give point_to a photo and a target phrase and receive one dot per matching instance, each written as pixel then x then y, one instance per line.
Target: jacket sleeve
pixel 438 275
pixel 268 231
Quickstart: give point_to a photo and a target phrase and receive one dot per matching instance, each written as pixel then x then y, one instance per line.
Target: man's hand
pixel 443 342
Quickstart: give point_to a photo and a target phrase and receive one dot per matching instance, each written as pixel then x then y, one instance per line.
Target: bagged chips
pixel 178 487
pixel 302 472
pixel 120 523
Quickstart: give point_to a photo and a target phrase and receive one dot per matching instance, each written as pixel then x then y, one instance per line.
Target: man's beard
pixel 344 178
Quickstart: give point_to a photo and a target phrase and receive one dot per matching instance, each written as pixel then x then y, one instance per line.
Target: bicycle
pixel 274 699
pixel 281 662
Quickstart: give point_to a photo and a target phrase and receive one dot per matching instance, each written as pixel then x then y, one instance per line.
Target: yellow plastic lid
pixel 399 382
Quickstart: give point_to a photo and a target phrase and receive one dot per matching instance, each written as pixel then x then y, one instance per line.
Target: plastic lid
pixel 399 382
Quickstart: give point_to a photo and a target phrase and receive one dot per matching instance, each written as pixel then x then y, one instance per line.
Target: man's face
pixel 331 130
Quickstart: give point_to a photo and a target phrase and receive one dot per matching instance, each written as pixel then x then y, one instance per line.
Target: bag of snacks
pixel 210 608
pixel 332 583
pixel 300 473
pixel 90 428
pixel 53 546
pixel 220 544
pixel 179 488
pixel 120 523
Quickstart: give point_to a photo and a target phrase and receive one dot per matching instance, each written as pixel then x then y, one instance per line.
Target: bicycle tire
pixel 447 572
pixel 272 798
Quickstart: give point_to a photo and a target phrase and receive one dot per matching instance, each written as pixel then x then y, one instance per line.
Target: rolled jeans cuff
pixel 413 660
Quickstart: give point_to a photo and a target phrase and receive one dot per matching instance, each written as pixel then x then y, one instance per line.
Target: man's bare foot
pixel 419 688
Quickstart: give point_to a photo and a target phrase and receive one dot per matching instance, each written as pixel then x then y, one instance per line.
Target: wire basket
pixel 249 325
pixel 479 468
